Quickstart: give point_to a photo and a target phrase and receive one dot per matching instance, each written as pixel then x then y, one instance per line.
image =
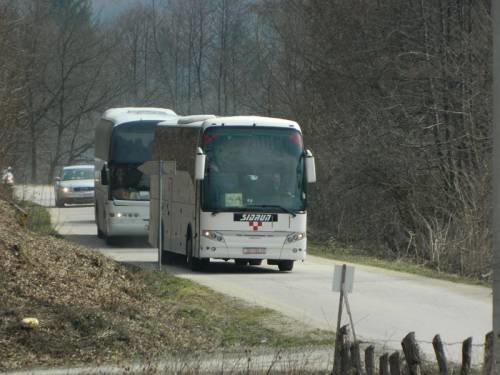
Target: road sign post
pixel 343 281
pixel 160 208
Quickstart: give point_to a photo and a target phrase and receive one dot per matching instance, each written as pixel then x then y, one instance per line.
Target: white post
pixel 160 212
pixel 496 186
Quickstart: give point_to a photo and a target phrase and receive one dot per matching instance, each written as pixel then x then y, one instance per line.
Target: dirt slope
pixel 94 310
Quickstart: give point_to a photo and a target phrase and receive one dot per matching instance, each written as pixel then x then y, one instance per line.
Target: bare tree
pixel 11 89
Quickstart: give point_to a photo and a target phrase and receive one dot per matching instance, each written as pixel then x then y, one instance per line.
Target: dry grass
pixel 94 310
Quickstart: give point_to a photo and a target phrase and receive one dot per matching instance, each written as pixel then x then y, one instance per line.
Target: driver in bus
pixel 279 189
pixel 121 190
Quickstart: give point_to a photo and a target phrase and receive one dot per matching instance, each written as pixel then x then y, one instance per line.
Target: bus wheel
pixel 167 257
pixel 110 241
pixel 255 262
pixel 59 203
pixel 100 233
pixel 240 262
pixel 195 264
pixel 285 265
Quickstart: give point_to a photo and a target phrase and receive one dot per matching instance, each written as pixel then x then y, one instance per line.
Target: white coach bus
pixel 233 188
pixel 123 141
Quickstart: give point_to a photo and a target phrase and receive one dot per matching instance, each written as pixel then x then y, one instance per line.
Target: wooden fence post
pixel 395 363
pixel 412 353
pixel 440 355
pixel 356 358
pixel 370 360
pixel 384 364
pixel 466 356
pixel 488 354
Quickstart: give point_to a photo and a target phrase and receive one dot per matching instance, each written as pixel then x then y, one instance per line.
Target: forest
pixel 393 97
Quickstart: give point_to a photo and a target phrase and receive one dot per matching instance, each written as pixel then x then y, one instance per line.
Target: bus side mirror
pixel 104 176
pixel 310 167
pixel 199 169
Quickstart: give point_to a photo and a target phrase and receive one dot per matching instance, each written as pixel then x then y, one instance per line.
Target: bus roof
pixel 127 114
pixel 231 121
pixel 251 121
pixel 192 121
pixel 79 166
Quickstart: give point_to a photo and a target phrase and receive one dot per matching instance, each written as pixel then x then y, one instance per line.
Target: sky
pixel 112 8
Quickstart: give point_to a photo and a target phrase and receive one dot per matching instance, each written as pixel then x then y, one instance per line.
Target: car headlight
pixel 65 189
pixel 295 236
pixel 213 235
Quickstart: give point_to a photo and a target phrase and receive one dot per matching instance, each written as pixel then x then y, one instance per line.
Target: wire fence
pixel 409 360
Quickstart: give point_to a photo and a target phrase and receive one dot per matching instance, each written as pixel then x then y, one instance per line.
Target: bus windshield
pixel 128 183
pixel 131 145
pixel 253 168
pixel 132 142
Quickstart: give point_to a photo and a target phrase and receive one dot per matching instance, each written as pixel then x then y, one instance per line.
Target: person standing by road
pixel 8 182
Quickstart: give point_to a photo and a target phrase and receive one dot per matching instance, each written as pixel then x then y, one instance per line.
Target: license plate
pixel 254 250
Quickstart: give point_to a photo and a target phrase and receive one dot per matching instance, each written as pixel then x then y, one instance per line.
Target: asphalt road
pixel 386 305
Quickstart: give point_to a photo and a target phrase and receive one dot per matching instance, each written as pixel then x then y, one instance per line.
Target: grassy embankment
pixel 354 254
pixel 94 310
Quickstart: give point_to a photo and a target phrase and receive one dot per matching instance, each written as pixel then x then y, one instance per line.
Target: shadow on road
pixel 83 221
pixel 89 240
pixel 94 242
pixel 229 267
pixel 179 267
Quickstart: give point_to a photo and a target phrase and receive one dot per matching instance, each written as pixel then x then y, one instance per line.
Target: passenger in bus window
pixel 121 190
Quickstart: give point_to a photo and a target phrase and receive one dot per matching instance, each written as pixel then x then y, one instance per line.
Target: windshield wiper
pixel 225 209
pixel 274 206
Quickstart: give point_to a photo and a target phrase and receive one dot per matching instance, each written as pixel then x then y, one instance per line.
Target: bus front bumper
pixel 127 227
pixel 269 248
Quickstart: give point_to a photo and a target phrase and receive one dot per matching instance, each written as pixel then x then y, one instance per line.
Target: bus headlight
pixel 213 235
pixel 294 237
pixel 124 214
pixel 65 189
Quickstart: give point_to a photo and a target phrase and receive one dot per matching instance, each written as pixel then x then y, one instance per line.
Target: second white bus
pixel 123 141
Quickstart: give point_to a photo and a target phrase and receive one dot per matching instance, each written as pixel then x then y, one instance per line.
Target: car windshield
pixel 251 168
pixel 77 174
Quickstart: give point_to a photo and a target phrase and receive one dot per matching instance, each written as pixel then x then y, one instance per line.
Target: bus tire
pixel 285 265
pixel 110 241
pixel 100 233
pixel 195 264
pixel 167 257
pixel 241 262
pixel 59 203
pixel 255 262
